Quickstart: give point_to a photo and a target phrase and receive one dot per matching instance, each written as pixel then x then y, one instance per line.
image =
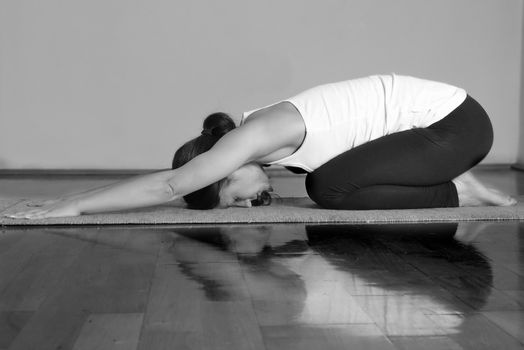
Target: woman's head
pixel 245 187
pixel 247 183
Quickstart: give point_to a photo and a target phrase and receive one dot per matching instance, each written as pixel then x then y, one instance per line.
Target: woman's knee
pixel 322 191
pixel 319 190
pixel 315 187
pixel 312 187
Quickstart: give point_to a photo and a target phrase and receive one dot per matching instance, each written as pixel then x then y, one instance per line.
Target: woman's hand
pixel 48 209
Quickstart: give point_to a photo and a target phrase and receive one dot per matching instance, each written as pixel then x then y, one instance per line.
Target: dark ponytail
pixel 215 126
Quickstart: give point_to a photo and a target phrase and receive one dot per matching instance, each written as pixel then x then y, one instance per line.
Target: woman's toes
pixel 502 199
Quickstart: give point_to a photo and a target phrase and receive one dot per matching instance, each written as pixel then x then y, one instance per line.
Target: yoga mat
pixel 292 210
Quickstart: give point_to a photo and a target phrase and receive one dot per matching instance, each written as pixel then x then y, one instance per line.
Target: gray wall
pixel 122 84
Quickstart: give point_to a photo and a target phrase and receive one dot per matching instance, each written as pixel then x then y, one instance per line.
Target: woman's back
pixel 340 116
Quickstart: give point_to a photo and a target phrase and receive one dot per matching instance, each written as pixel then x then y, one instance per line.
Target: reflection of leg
pixel 348 238
pixel 471 192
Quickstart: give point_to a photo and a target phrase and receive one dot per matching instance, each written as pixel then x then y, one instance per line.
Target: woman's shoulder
pixel 282 116
pixel 280 124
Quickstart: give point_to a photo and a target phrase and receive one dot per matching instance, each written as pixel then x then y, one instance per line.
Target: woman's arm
pixel 279 128
pixel 69 196
pixel 140 191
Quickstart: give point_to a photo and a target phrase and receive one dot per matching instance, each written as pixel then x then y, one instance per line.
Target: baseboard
pixel 274 171
pixel 75 172
pixel 518 166
pixel 271 171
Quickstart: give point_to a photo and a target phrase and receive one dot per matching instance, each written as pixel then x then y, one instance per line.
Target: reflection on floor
pixel 288 286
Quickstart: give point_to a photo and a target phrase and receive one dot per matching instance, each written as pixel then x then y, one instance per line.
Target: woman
pixel 380 142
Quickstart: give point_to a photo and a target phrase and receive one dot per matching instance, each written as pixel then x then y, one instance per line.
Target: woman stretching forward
pixel 379 142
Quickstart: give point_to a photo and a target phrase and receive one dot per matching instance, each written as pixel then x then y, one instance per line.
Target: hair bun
pixel 218 124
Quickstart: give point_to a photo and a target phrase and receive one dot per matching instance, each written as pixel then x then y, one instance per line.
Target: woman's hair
pixel 215 126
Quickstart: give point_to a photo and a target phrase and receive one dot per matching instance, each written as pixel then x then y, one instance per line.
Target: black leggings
pixel 408 169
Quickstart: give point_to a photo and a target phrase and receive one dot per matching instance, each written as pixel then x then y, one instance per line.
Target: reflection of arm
pixel 221 275
pixel 190 251
pixel 217 272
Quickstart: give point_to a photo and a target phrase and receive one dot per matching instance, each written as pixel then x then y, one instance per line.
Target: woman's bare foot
pixel 472 193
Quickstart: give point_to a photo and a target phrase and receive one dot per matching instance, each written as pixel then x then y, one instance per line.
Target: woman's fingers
pixel 58 210
pixel 49 209
pixel 42 203
pixel 26 214
pixel 34 204
pixel 31 214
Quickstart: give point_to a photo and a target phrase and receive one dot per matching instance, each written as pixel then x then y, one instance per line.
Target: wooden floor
pixel 285 286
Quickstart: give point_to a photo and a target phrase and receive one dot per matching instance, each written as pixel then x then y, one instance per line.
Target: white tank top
pixel 344 115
